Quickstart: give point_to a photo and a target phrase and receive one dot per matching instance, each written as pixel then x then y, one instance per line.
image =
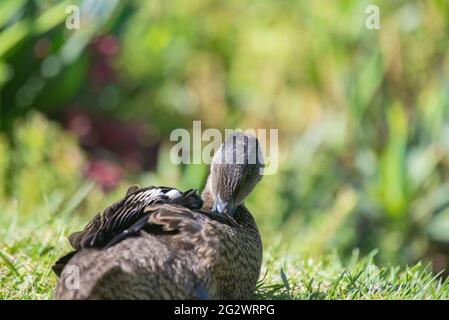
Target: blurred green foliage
pixel 362 114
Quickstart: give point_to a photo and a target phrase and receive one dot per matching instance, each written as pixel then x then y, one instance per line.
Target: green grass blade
pixel 9 264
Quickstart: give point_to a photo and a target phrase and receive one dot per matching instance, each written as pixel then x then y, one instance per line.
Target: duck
pixel 162 243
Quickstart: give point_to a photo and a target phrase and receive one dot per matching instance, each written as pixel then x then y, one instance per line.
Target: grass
pixel 30 248
pixel 359 278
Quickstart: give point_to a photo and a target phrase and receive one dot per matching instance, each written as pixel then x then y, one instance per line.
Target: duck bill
pixel 224 207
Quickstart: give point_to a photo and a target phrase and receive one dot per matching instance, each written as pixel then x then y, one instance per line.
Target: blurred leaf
pixel 9 8
pixel 369 77
pixel 13 35
pixel 392 188
pixel 438 227
pixel 54 16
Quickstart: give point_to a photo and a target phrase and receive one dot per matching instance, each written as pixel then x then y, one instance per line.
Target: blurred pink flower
pixel 106 173
pixel 107 45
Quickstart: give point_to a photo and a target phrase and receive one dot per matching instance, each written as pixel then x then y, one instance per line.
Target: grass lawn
pixel 30 245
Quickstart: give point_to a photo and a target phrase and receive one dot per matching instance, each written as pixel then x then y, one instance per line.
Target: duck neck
pixel 208 196
pixel 243 216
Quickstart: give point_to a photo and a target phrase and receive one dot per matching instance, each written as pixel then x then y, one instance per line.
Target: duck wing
pixel 123 217
pixel 182 223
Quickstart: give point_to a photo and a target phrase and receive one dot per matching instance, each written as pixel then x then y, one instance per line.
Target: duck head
pixel 236 169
